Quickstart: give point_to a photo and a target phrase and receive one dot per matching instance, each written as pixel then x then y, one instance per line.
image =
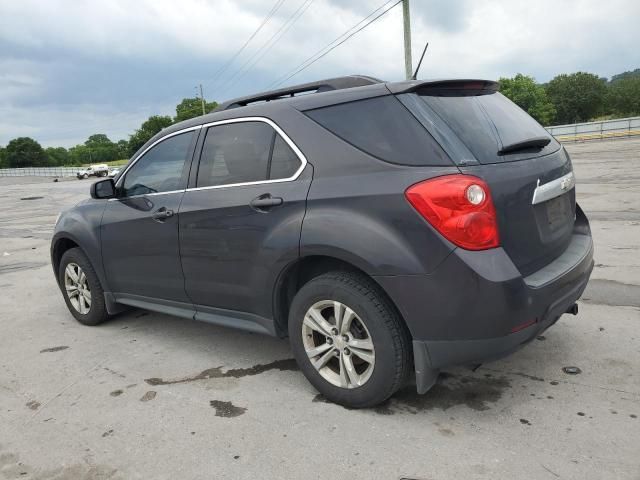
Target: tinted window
pixel 486 123
pixel 235 153
pixel 161 168
pixel 384 128
pixel 284 161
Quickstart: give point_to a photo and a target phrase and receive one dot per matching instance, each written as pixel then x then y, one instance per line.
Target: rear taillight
pixel 460 208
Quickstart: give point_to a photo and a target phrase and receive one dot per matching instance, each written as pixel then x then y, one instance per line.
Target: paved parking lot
pixel 149 396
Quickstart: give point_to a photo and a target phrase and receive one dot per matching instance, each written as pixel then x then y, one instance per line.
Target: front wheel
pixel 81 288
pixel 348 339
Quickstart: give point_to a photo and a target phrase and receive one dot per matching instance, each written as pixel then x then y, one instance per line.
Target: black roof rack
pixel 337 83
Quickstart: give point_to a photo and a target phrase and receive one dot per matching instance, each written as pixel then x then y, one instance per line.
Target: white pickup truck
pixel 99 170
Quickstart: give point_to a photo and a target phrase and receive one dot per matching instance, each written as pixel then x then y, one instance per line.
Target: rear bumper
pixel 476 306
pixel 452 352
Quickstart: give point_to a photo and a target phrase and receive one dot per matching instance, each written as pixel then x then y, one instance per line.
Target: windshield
pixel 485 124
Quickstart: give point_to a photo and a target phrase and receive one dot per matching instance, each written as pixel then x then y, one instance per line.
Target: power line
pixel 228 63
pixel 280 79
pixel 262 51
pixel 324 51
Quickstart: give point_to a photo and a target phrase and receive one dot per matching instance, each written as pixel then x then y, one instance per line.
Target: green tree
pixel 623 96
pixel 57 156
pixel 629 74
pixel 578 97
pixel 25 152
pixel 80 154
pixel 102 149
pixel 147 130
pixel 123 149
pixel 192 107
pixel 3 157
pixel 528 95
pixel 98 140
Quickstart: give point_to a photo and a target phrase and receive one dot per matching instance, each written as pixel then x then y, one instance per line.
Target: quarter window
pixel 244 152
pixel 383 128
pixel 284 161
pixel 161 169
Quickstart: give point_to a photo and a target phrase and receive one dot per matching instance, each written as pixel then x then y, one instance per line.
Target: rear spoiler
pixel 443 87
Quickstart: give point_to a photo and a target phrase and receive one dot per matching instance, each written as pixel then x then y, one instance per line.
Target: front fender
pixel 81 225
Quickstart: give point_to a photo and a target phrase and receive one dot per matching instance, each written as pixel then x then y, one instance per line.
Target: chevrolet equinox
pixel 385 228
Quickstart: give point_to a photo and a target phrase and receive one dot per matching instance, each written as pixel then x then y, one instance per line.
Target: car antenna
pixel 415 74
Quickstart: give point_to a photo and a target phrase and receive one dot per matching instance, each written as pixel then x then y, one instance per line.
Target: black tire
pixel 387 331
pixel 97 312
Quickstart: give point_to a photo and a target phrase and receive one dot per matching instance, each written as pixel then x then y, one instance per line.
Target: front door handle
pixel 162 214
pixel 264 202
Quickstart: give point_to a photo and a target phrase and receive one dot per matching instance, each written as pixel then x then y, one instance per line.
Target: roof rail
pixel 337 83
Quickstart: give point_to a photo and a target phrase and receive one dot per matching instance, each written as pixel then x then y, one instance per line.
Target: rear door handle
pixel 162 214
pixel 264 202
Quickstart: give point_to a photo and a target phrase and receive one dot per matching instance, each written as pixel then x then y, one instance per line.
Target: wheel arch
pixel 64 241
pixel 300 272
pixel 59 246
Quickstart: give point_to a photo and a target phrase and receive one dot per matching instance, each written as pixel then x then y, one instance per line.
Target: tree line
pixel 98 148
pixel 576 97
pixel 567 98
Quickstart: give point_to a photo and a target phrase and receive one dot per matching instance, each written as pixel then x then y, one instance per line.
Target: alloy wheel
pixel 338 344
pixel 77 288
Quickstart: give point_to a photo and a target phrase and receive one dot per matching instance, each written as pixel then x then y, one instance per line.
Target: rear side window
pixel 235 153
pixel 484 123
pixel 245 152
pixel 383 128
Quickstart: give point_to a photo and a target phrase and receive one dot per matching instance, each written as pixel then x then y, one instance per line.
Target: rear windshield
pixel 484 123
pixel 383 128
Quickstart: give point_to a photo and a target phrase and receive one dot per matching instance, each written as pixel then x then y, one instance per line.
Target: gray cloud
pixel 70 68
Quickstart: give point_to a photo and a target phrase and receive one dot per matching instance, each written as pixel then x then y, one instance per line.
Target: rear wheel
pixel 348 339
pixel 81 288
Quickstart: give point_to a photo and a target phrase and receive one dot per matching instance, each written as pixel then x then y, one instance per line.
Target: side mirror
pixel 103 189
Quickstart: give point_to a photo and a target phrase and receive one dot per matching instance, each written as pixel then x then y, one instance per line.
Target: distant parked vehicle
pixel 114 171
pixel 99 170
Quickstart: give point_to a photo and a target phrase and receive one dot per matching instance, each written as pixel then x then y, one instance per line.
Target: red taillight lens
pixel 460 208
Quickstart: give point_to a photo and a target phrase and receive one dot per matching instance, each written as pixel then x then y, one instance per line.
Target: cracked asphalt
pixel 150 396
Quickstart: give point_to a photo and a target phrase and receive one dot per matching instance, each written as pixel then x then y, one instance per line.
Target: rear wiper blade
pixel 535 142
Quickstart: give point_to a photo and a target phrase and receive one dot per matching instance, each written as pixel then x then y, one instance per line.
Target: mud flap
pixel 426 376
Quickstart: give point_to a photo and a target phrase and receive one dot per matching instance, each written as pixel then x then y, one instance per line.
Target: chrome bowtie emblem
pixel 552 189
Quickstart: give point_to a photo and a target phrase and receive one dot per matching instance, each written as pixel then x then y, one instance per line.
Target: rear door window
pixel 235 153
pixel 245 152
pixel 383 128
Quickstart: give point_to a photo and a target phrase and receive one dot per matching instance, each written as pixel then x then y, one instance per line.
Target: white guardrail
pixel 580 132
pixel 40 172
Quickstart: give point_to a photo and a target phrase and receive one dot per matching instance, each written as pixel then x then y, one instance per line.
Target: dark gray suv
pixel 382 227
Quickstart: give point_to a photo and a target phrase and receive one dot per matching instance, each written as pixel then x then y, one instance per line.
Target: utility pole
pixel 406 16
pixel 202 99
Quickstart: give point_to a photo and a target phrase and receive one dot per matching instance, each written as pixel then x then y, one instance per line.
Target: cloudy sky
pixel 71 68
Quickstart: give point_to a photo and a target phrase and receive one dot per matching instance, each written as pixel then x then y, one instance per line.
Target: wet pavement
pixel 153 396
